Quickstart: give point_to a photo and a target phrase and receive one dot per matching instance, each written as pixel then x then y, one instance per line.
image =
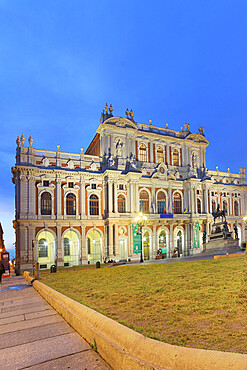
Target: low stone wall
pixel 125 349
pixel 229 256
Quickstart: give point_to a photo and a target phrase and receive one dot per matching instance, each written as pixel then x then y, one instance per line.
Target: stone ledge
pixel 229 256
pixel 124 349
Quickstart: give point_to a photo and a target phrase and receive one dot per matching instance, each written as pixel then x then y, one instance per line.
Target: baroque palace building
pixel 74 209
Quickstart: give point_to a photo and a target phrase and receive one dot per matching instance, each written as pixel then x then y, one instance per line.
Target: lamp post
pixel 140 221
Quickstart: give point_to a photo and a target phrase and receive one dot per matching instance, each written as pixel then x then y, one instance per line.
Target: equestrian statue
pixel 218 213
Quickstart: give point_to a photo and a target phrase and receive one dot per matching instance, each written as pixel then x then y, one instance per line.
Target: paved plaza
pixel 33 335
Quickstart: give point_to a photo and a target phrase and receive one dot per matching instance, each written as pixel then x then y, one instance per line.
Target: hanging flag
pixel 152 207
pixel 173 207
pixel 185 209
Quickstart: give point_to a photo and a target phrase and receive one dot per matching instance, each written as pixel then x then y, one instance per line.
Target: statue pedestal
pixel 221 241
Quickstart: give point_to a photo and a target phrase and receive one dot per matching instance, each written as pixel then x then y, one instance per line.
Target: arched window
pixel 94 205
pixel 225 205
pixel 71 204
pixel 43 247
pixel 159 154
pixel 177 203
pixel 199 208
pixel 121 203
pixel 66 246
pixel 143 153
pixel 213 205
pixel 46 203
pixel 144 202
pixel 175 158
pixel 236 211
pixel 161 202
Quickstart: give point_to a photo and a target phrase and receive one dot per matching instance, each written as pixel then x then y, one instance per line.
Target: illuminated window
pixel 121 204
pixel 159 154
pixel 144 202
pixel 199 209
pixel 177 203
pixel 46 203
pixel 71 204
pixel 175 158
pixel 143 153
pixel 94 205
pixel 66 246
pixel 43 248
pixel 161 202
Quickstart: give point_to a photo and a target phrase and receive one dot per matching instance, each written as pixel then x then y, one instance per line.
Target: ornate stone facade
pixel 79 208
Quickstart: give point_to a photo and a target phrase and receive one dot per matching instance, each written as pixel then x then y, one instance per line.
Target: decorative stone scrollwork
pixel 70 164
pixel 45 162
pixel 93 166
pixel 111 161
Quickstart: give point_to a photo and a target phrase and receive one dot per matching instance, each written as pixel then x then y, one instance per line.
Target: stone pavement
pixel 34 336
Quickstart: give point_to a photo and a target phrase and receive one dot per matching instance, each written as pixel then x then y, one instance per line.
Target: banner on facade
pixel 163 250
pixel 136 239
pixel 166 215
pixel 196 234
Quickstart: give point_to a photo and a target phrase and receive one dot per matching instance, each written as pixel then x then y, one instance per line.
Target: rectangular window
pixel 67 249
pixel 144 206
pixel 45 183
pixel 71 184
pixel 120 187
pixel 93 186
pixel 161 207
pixel 43 250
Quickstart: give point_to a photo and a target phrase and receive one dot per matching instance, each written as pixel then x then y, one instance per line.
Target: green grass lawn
pixel 192 304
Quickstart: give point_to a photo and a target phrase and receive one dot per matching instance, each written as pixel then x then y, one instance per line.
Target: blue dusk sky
pixel 170 61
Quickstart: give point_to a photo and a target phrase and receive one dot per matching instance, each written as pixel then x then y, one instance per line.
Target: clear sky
pixel 170 61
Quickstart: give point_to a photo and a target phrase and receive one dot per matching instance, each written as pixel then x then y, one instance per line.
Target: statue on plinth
pixel 218 213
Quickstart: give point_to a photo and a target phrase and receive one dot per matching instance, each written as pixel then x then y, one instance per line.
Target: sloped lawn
pixel 192 304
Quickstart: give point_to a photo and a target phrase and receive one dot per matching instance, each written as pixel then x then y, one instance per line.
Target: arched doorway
pixel 163 243
pixel 146 245
pixel 46 249
pixel 71 248
pixel 94 249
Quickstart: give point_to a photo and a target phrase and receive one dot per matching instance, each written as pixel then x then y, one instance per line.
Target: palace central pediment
pixel 121 122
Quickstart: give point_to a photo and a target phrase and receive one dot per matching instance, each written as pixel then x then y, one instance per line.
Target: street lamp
pixel 140 221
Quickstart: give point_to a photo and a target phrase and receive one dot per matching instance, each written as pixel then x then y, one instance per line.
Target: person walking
pixel 2 271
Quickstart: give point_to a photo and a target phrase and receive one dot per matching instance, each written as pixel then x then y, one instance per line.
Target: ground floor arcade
pixel 71 244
